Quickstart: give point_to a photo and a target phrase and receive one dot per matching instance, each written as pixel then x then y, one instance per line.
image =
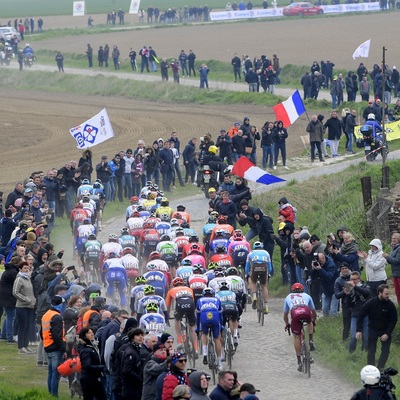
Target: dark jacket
pixel 166 160
pixel 220 394
pixel 327 274
pixel 7 228
pixel 263 227
pixel 103 172
pixel 358 296
pixel 14 195
pixel 228 209
pixel 238 144
pixel 267 137
pixel 90 359
pixel 249 218
pixel 6 286
pixel 350 124
pixel 152 370
pixel 188 152
pixel 131 371
pixel 225 145
pixel 279 133
pixel 334 128
pixel 394 260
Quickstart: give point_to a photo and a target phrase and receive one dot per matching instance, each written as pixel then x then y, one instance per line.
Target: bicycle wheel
pixel 229 349
pixel 307 364
pixel 189 348
pixel 262 311
pixel 211 357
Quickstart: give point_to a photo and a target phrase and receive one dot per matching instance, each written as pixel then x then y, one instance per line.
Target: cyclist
pixel 208 228
pixel 152 322
pixel 148 239
pixel 85 187
pixel 91 252
pixel 209 316
pixel 98 196
pixel 150 202
pixel 143 212
pixel 132 208
pixel 195 257
pixel 111 247
pixel 164 208
pixel 115 272
pixel 238 287
pixel 151 297
pixel 301 307
pixel 135 224
pixel 258 264
pixel 156 279
pixel 224 226
pixel 193 247
pixel 220 240
pixel 137 293
pixel 127 240
pixel 77 216
pixel 184 306
pixel 239 249
pixel 131 264
pixel 161 265
pixel 185 271
pixel 181 241
pixel 168 251
pixel 219 273
pixel 83 232
pixel 163 227
pixel 229 309
pixel 197 281
pixel 221 257
pixel 89 205
pixel 181 210
pixel 210 274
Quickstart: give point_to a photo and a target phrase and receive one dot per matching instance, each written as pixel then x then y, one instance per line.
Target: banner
pixel 134 7
pixel 93 131
pixel 392 130
pixel 362 50
pixel 78 9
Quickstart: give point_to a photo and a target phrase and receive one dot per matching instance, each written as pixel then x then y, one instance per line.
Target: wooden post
pixel 366 188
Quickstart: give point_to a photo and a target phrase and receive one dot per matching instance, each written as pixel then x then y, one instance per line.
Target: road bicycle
pixel 260 295
pixel 227 340
pixel 187 342
pixel 211 356
pixel 116 298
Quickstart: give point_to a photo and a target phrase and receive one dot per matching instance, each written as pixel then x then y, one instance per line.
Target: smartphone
pixel 347 286
pixel 71 268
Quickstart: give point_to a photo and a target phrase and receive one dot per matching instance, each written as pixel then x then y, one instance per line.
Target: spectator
pixel 199 385
pixel 340 283
pixel 191 61
pixel 365 89
pixel 375 265
pixel 267 144
pixel 348 252
pixel 357 293
pixel 394 260
pixel 181 392
pixel 382 315
pixel 279 136
pixel 189 160
pixel 225 384
pixel 287 210
pixel 334 133
pixel 316 131
pixel 224 142
pixel 334 91
pixel 167 166
pixel 227 207
pixel 252 80
pixel 351 123
pixel 176 376
pixel 203 73
pixel 306 82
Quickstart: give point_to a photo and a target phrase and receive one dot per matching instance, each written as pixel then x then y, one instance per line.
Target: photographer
pixel 205 143
pixel 224 142
pixel 356 295
pixel 324 268
pixel 376 387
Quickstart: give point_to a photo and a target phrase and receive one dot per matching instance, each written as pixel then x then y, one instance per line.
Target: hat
pixel 211 190
pixel 131 323
pixel 60 287
pixel 281 226
pixel 158 346
pixel 394 67
pixel 331 235
pixel 314 238
pixel 344 265
pixel 248 387
pixel 104 157
pixel 222 130
pixel 165 336
pixel 304 234
pixel 28 190
pixel 176 357
pixel 335 78
pixel 1 257
pixel 56 265
pixel 22 225
pixel 57 300
pixel 99 300
pixel 237 123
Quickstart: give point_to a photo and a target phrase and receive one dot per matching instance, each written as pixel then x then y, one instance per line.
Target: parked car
pixel 303 8
pixel 9 32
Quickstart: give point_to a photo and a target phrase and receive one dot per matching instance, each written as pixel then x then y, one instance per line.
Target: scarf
pixel 25 275
pixel 351 247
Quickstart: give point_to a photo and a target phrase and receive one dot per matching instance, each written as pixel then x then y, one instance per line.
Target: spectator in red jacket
pixel 176 376
pixel 287 210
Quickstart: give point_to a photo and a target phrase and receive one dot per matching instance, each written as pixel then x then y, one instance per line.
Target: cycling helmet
pixel 186 263
pixel 213 149
pixel 222 219
pixel 165 238
pixel 297 288
pixel 212 219
pixel 224 285
pixel 158 199
pixel 87 221
pixel 140 208
pixel 165 217
pixel 143 196
pixel 212 265
pixel 140 279
pixel 219 272
pixel 85 182
pixel 96 185
pixel 151 196
pixel 184 225
pixel 371 116
pixel 135 214
pixel 179 231
pixel 127 250
pixel 219 233
pixel 164 202
pixel 152 307
pixel 155 186
pixel 174 222
pixel 208 292
pixel 258 245
pixel 197 268
pixel 112 255
pixel 214 214
pixel 149 183
pixel 193 239
pixel 148 289
pixel 232 271
pixel 238 235
pixel 99 181
pixel 370 375
pixel 151 267
pixel 125 231
pixel 92 236
pixel 134 200
pixel 220 248
pixel 27 45
pixel 78 205
pixel 177 282
pixel 154 255
pixel 180 207
pixel 112 237
pixel 194 248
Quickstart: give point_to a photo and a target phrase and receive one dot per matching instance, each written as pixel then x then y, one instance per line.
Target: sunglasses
pixel 182 361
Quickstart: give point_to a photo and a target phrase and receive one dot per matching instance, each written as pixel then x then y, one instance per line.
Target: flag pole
pixel 304 108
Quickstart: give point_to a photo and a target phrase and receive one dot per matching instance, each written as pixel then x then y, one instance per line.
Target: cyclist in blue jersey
pixel 137 293
pixel 209 316
pixel 152 322
pixel 156 279
pixel 151 297
pixel 127 240
pixel 220 239
pixel 258 264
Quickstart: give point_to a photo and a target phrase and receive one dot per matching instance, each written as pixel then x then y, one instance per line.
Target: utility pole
pixel 385 170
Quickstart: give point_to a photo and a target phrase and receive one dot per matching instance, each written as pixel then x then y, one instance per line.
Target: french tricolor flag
pixel 247 170
pixel 289 110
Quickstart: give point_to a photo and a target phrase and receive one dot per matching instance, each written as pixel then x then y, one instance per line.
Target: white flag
pixel 362 50
pixel 134 7
pixel 93 131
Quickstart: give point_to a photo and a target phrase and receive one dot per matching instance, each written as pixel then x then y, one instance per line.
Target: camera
pixel 385 381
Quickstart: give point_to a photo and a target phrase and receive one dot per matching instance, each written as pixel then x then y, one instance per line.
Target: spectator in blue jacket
pixel 203 73
pixel 227 207
pixel 325 269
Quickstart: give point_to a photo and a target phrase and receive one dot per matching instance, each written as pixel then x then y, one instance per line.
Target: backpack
pixel 70 336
